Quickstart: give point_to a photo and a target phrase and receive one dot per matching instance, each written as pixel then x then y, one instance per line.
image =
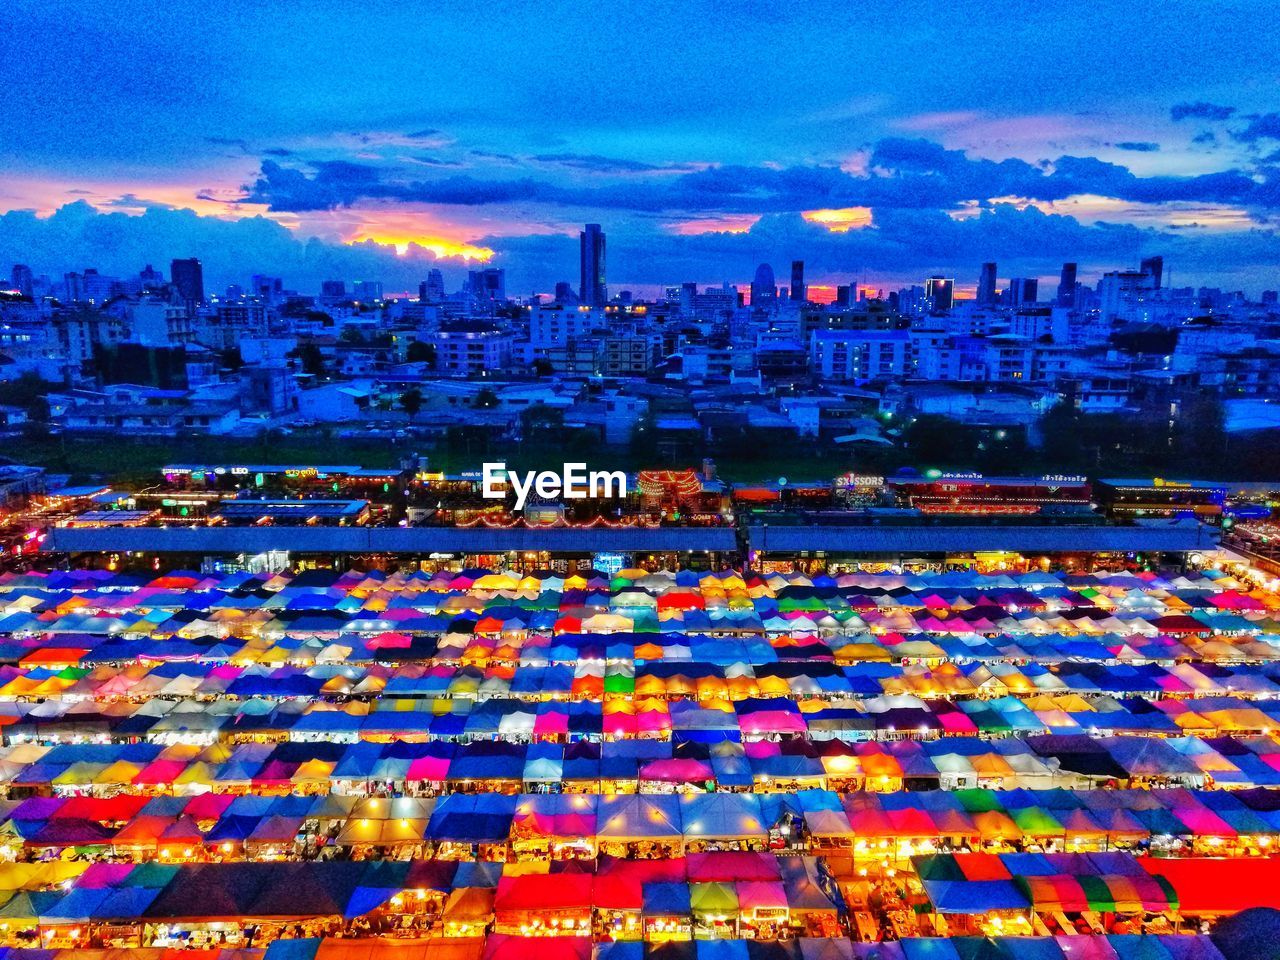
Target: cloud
pixel 900 245
pixel 118 244
pixel 1138 146
pixel 242 145
pixel 902 173
pixel 1200 110
pixel 1263 126
pixel 598 164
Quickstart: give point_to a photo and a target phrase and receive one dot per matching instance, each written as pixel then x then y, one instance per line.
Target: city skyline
pixel 877 154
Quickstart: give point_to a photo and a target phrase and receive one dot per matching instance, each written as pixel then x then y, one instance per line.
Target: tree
pixel 351 336
pixel 540 421
pixel 422 352
pixel 411 401
pixel 486 399
pixel 542 367
pixel 312 359
pixel 933 438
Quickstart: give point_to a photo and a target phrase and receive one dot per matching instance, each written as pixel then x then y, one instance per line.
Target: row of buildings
pixel 157 355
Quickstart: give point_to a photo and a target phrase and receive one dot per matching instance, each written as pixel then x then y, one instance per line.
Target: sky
pixel 880 142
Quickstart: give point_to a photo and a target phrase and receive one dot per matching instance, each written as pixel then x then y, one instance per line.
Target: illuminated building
pixel 940 292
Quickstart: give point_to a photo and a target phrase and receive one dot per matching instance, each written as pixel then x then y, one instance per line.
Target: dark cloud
pixel 1200 110
pixel 1205 137
pixel 434 161
pixel 1263 126
pixel 278 152
pixel 904 174
pixel 427 134
pixel 1138 146
pixel 598 164
pixel 241 145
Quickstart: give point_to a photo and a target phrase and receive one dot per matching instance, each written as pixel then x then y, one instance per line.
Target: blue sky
pixel 878 141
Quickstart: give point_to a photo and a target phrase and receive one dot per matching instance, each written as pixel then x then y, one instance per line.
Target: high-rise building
pixel 266 288
pixel 798 290
pixel 844 295
pixel 432 288
pixel 940 292
pixel 22 279
pixel 333 291
pixel 1023 290
pixel 367 291
pixel 764 289
pixel 591 291
pixel 564 292
pixel 188 279
pixel 489 284
pixel 1067 286
pixel 1153 267
pixel 987 284
pixel 1126 295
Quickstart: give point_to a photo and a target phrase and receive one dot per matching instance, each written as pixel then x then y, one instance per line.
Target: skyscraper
pixel 489 284
pixel 764 289
pixel 22 279
pixel 591 292
pixel 432 288
pixel 798 289
pixel 940 292
pixel 1153 267
pixel 1067 286
pixel 987 284
pixel 187 277
pixel 1023 290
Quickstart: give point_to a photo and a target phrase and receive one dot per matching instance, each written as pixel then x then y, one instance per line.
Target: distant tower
pixel 798 289
pixel 22 279
pixel 487 284
pixel 1153 267
pixel 941 293
pixel 150 278
pixel 764 289
pixel 432 288
pixel 188 279
pixel 592 292
pixel 1023 290
pixel 1067 286
pixel 987 284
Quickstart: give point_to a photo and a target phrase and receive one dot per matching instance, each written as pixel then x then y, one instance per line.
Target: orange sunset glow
pixel 840 220
pixel 438 246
